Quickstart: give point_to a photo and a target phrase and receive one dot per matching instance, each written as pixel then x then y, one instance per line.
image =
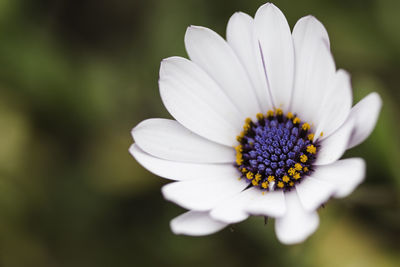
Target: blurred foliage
pixel 77 75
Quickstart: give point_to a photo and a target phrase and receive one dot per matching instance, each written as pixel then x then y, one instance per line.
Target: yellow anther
pixel 310 136
pixel 239 161
pixel 311 149
pixel 291 171
pixel 285 178
pixel 246 127
pixel 279 111
pixel 303 158
pixel 270 113
pixel 264 185
pixel 289 115
pixel 305 126
pixel 254 182
pixel 280 184
pixel 244 170
pixel 247 121
pixel 271 178
pixel 291 184
pixel 296 120
pixel 296 176
pixel 239 148
pixel 305 169
pixel 258 177
pixel 239 138
pixel 298 167
pixel 260 116
pixel 249 175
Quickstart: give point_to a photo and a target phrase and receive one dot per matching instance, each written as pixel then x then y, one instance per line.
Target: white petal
pixel 277 51
pixel 333 147
pixel 365 114
pixel 271 204
pixel 168 139
pixel 202 194
pixel 344 174
pixel 314 69
pixel 313 192
pixel 211 52
pixel 197 102
pixel 232 210
pixel 297 224
pixel 181 170
pixel 336 105
pixel 241 37
pixel 195 223
pixel 309 25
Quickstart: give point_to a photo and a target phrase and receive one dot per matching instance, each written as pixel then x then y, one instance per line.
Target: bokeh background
pixel 77 75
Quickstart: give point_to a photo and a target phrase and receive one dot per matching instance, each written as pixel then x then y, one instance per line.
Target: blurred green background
pixel 77 75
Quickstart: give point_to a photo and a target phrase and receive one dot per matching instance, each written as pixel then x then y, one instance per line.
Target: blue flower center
pixel 276 152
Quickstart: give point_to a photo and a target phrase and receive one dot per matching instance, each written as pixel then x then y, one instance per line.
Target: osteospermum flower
pixel 261 122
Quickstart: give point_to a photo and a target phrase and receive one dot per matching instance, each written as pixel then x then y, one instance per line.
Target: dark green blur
pixel 77 75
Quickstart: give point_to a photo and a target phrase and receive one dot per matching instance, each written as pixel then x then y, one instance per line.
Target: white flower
pixel 277 98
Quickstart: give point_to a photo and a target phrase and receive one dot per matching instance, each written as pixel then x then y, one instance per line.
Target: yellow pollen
pixel 270 113
pixel 322 134
pixel 244 170
pixel 310 136
pixel 258 177
pixel 303 158
pixel 254 182
pixel 240 178
pixel 262 192
pixel 305 169
pixel 298 166
pixel 296 176
pixel 285 178
pixel 296 120
pixel 271 178
pixel 291 184
pixel 239 161
pixel 264 185
pixel 280 184
pixel 291 171
pixel 249 175
pixel 289 115
pixel 246 127
pixel 239 148
pixel 260 116
pixel 279 111
pixel 311 149
pixel 305 126
pixel 239 138
pixel 248 120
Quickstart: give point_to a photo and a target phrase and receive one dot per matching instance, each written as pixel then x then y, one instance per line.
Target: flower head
pixel 261 121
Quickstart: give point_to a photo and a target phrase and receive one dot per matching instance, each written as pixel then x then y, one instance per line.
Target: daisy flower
pixel 261 121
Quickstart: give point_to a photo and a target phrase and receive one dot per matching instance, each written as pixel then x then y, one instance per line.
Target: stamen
pixel 303 158
pixel 311 149
pixel 298 166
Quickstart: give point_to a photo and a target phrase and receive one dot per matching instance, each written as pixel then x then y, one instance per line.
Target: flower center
pixel 276 152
